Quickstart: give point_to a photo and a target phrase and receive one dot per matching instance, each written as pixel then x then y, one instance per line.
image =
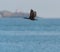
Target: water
pixel 24 35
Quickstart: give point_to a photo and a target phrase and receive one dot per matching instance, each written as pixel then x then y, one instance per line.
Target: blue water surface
pixel 18 34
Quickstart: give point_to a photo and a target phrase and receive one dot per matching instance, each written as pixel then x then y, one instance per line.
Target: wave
pixel 11 33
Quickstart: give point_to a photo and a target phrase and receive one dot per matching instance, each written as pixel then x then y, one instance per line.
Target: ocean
pixel 18 34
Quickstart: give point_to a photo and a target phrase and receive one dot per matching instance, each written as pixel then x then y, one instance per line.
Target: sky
pixel 44 8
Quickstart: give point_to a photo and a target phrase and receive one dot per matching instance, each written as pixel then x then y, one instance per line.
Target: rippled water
pixel 24 35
